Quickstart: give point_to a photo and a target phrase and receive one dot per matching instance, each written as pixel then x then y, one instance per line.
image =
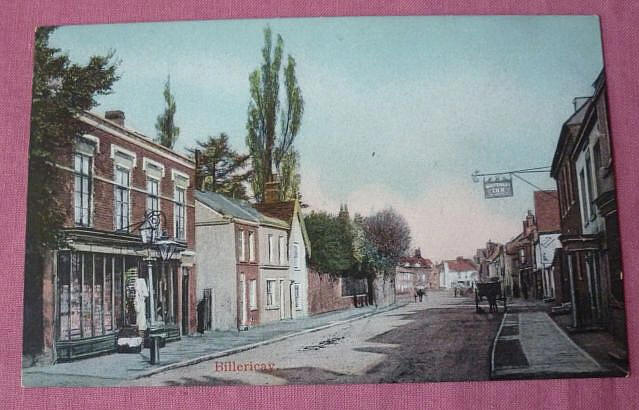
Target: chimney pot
pixel 116 116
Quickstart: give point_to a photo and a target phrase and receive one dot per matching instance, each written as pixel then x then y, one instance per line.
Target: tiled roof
pixel 412 260
pixel 279 210
pixel 547 211
pixel 461 265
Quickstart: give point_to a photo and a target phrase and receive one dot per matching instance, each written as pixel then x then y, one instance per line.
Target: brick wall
pixel 103 192
pixel 325 294
pixel 250 271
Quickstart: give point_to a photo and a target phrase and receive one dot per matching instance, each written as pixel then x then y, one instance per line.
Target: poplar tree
pixel 271 150
pixel 168 132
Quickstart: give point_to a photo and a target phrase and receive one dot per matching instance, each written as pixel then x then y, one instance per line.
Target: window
pixel 252 246
pixel 591 196
pixel 122 181
pixel 296 255
pixel 584 198
pixel 253 294
pixel 282 243
pixel 242 246
pixel 270 249
pixel 596 154
pixel 153 195
pixel 83 180
pixel 270 293
pixel 179 213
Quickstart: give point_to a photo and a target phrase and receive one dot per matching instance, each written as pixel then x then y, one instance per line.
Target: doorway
pixel 282 301
pixel 243 314
pixel 185 301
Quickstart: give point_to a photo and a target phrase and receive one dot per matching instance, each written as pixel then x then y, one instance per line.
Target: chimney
pixel 272 191
pixel 460 259
pixel 116 116
pixel 418 253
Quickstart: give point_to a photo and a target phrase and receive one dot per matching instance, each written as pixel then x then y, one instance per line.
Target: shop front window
pixel 90 293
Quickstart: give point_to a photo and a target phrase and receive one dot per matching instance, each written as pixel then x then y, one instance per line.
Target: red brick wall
pixel 325 294
pixel 103 199
pixel 250 271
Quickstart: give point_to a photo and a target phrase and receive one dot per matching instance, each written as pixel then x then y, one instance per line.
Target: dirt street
pixel 419 342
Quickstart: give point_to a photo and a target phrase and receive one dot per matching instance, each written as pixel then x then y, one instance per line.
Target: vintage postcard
pixel 321 200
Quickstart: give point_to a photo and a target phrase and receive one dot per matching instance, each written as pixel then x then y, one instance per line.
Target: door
pixel 243 313
pixel 185 302
pixel 208 303
pixel 282 300
pixel 291 298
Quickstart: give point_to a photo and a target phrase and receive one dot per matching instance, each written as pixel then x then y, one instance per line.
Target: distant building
pixel 458 273
pixel 414 272
pixel 547 238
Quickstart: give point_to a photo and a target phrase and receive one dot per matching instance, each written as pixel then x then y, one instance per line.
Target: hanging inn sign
pixel 498 187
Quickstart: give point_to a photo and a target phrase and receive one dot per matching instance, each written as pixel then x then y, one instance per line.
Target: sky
pixel 399 111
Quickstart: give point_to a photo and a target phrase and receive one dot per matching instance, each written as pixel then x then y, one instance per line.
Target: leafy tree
pixel 168 132
pixel 331 242
pixel 389 233
pixel 269 150
pixel 61 91
pixel 223 169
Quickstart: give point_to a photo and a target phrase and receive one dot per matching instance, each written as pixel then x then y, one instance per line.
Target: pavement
pixel 530 345
pixel 113 369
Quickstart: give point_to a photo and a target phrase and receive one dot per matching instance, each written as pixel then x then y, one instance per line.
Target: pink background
pixel 620 26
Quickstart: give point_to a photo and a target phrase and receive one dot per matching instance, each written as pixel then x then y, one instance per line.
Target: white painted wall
pixel 450 277
pixel 298 274
pixel 216 265
pixel 273 269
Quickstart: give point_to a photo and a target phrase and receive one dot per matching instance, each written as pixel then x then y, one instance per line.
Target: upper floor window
pixel 252 246
pixel 596 157
pixel 282 243
pixel 82 191
pixel 180 185
pixel 242 246
pixel 271 250
pixel 180 215
pixel 296 255
pixel 122 192
pixel 589 181
pixel 153 195
pixel 585 202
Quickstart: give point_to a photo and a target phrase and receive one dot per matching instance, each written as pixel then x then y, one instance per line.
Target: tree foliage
pixel 388 236
pixel 331 241
pixel 61 91
pixel 269 149
pixel 223 169
pixel 168 132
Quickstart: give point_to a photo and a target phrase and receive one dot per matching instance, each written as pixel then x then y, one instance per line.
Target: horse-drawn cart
pixel 492 291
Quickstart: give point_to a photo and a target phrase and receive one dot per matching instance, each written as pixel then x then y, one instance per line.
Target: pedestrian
pixel 415 294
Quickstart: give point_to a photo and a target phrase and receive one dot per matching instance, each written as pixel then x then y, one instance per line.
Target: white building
pixel 460 272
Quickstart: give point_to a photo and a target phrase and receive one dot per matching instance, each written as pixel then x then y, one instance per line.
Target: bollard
pixel 155 349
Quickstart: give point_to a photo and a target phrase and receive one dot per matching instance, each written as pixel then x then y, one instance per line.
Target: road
pixel 440 339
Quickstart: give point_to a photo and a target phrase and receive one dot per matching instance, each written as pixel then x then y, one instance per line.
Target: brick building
pixel 591 259
pixel 112 176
